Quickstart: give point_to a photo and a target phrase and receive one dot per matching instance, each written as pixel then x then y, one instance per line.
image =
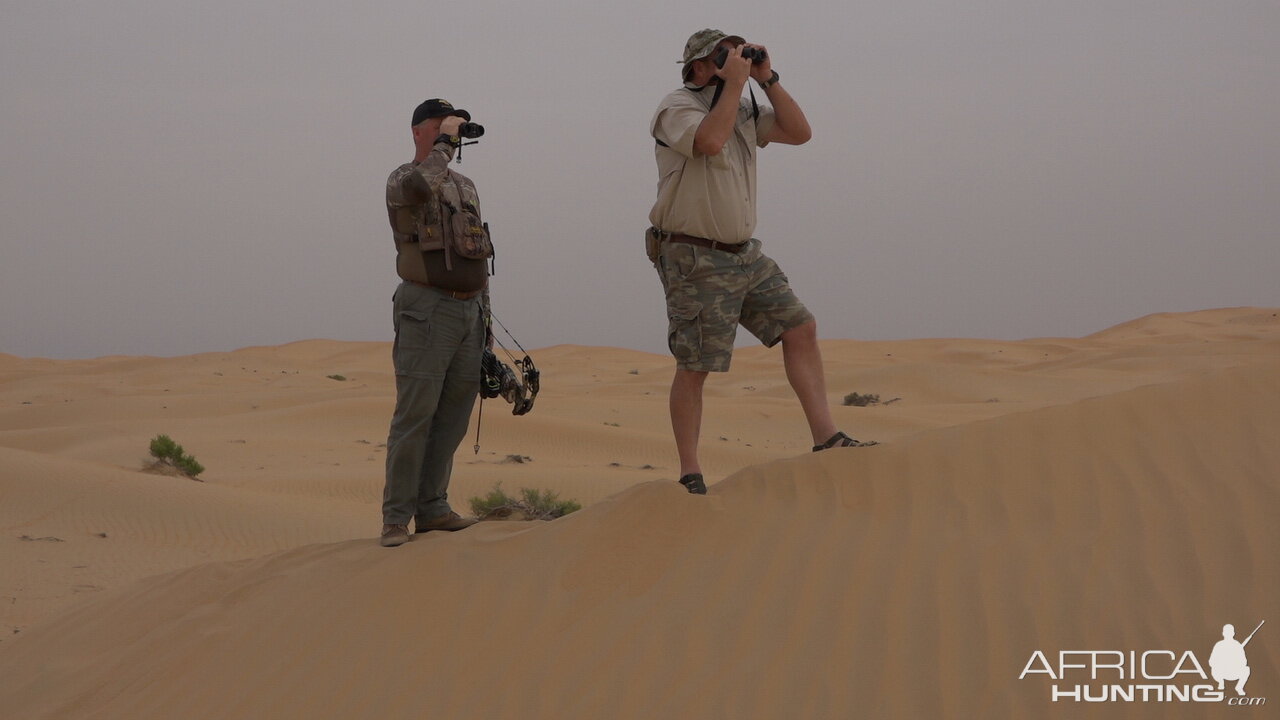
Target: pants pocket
pixel 684 333
pixel 677 261
pixel 413 338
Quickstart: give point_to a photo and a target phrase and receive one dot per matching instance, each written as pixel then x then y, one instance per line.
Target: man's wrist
pixel 773 80
pixel 452 140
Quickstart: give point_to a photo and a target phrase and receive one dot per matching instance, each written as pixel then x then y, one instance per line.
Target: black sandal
pixel 842 440
pixel 693 483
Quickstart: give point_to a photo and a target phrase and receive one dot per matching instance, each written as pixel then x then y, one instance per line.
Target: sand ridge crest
pixel 1123 495
pixel 941 547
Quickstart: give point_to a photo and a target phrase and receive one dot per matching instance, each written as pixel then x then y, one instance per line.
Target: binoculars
pixel 755 55
pixel 470 130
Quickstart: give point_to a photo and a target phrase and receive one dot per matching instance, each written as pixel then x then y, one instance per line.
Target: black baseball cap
pixel 434 108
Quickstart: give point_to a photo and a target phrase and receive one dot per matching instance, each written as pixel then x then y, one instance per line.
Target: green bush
pixel 531 505
pixel 168 453
pixel 494 500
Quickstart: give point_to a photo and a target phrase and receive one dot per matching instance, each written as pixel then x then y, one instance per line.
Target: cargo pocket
pixel 413 337
pixel 684 333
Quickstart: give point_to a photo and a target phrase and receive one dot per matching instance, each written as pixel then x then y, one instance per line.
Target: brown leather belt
pixel 706 243
pixel 455 294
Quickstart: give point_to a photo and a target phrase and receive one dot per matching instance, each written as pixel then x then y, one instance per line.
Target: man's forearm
pixel 791 125
pixel 434 166
pixel 486 313
pixel 717 127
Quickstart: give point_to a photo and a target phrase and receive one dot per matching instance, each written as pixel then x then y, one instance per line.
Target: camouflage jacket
pixel 435 209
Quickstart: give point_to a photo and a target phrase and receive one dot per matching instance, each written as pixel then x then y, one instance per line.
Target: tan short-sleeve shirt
pixel 708 196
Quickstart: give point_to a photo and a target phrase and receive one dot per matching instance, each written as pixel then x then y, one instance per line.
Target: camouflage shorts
pixel 709 292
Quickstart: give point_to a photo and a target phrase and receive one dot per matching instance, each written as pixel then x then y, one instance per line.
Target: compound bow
pixel 498 379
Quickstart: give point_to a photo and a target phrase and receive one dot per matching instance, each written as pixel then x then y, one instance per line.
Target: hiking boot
pixel 693 483
pixel 449 522
pixel 393 535
pixel 842 440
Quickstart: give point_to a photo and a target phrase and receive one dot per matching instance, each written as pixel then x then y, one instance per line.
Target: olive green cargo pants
pixel 437 350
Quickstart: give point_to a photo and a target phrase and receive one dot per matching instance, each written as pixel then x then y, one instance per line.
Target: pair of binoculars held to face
pixel 470 130
pixel 755 55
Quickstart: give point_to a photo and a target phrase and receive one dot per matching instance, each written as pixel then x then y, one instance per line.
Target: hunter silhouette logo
pixel 1228 661
pixel 1149 676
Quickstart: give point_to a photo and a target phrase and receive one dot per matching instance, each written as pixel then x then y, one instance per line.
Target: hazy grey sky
pixel 178 177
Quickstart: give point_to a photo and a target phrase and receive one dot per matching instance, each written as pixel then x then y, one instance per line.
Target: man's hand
pixel 450 125
pixel 763 70
pixel 736 68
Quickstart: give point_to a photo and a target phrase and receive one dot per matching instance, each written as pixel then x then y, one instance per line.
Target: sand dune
pixel 1117 491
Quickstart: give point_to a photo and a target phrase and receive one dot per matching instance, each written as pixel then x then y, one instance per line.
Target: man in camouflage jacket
pixel 440 314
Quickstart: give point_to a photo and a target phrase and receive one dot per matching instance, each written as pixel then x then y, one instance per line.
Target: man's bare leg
pixel 803 361
pixel 686 417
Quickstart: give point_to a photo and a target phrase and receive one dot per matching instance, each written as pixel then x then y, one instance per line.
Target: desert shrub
pixel 546 502
pixel 339 378
pixel 168 453
pixel 854 398
pixel 486 504
pixel 531 505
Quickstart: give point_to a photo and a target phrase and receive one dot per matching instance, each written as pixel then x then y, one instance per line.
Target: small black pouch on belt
pixel 653 244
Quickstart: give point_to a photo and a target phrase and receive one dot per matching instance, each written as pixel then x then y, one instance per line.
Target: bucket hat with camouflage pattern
pixel 702 44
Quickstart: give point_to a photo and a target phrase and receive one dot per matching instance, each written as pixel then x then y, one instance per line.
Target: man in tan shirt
pixel 714 272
